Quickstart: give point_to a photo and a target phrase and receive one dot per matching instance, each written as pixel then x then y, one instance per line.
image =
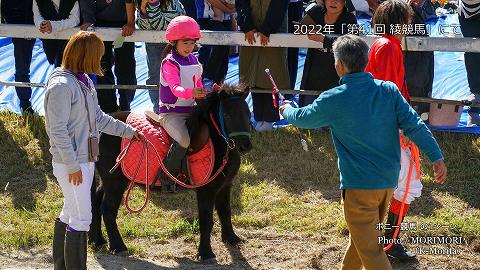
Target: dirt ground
pixel 262 250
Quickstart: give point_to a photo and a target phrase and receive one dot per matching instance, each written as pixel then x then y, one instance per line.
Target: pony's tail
pixel 167 50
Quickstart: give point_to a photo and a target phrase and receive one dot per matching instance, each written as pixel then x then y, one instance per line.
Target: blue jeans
pixel 154 61
pixel 22 51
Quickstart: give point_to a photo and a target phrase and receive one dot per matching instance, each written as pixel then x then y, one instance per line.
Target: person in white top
pixel 52 16
pixel 469 18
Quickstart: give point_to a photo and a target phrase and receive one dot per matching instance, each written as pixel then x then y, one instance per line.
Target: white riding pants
pixel 416 186
pixel 77 205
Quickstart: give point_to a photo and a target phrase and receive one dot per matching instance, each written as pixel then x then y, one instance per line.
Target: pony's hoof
pixel 207 257
pixel 210 261
pixel 98 245
pixel 233 241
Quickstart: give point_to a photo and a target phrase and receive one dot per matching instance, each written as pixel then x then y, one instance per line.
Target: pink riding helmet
pixel 182 27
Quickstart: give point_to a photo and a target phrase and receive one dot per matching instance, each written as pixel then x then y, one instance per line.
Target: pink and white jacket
pixel 178 77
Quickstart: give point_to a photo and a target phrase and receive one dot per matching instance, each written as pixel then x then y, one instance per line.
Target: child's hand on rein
pixel 199 93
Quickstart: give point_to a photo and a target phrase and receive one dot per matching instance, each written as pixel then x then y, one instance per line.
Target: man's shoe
pixel 399 252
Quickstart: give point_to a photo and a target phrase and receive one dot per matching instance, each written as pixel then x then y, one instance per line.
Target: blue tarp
pixel 450 80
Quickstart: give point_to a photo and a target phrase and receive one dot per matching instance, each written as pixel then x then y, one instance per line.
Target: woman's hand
pixel 75 178
pixel 143 6
pixel 199 93
pixel 137 135
pixel 128 29
pixel 317 37
pixel 84 26
pixel 250 36
pixel 45 27
pixel 264 40
pixel 231 8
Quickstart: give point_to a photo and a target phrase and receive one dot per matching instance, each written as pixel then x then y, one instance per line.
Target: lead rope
pixel 414 159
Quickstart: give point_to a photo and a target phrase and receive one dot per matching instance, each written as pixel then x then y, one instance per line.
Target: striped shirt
pixel 469 8
pixel 157 19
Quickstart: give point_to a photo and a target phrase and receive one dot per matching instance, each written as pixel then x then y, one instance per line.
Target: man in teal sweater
pixel 365 116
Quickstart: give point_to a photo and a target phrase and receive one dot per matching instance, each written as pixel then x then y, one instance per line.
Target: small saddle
pixel 199 135
pixel 142 160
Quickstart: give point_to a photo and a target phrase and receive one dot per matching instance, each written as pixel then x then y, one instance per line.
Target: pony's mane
pixel 232 89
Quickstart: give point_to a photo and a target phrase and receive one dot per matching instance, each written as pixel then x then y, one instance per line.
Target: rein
pixel 414 160
pixel 145 143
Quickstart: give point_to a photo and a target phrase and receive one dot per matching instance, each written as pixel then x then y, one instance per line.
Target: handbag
pixel 93 141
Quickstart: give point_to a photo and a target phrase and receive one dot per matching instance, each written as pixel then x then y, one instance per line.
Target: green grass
pixel 279 188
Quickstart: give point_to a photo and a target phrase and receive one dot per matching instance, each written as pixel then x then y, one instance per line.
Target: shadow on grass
pixel 462 157
pixel 184 201
pixel 238 259
pixel 426 204
pixel 397 265
pixel 20 166
pixel 279 157
pixel 109 261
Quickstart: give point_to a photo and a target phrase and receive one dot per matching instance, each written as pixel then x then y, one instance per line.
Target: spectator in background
pixel 117 13
pixel 214 58
pixel 419 66
pixel 190 8
pixel 52 16
pixel 156 15
pixel 259 19
pixel 469 17
pixel 319 71
pixel 20 12
pixel 295 14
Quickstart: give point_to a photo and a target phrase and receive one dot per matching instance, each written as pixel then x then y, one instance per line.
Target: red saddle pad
pixel 134 163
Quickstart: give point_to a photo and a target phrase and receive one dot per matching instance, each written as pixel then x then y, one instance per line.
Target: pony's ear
pixel 222 94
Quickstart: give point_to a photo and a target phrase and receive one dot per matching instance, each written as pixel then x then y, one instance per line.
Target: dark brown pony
pixel 230 111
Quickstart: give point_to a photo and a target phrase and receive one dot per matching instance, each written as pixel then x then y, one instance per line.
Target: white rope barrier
pixel 238 38
pixel 254 90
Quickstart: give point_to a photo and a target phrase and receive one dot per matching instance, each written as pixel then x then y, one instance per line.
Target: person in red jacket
pixel 385 62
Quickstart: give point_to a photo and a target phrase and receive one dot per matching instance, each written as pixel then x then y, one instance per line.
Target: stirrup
pixel 152 117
